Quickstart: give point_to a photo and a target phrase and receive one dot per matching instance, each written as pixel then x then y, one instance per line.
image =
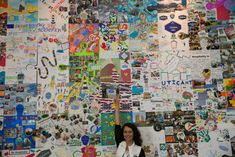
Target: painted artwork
pixel 22 11
pixel 83 33
pixel 142 11
pixel 114 41
pixel 108 126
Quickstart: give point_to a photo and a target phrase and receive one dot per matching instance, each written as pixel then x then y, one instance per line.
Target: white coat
pixel 134 150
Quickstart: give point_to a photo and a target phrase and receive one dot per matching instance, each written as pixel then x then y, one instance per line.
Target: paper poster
pixel 171 28
pixel 22 11
pixel 21 55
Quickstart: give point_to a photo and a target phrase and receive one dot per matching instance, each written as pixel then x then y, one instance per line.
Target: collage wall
pixel 62 61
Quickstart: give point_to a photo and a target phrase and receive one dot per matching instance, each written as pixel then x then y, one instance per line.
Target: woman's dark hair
pixel 136 133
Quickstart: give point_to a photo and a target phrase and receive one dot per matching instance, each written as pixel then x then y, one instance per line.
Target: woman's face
pixel 128 134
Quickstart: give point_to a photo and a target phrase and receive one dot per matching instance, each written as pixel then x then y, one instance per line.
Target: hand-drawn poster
pixel 216 144
pixel 114 41
pixel 108 123
pixel 172 27
pixel 151 143
pixel 52 58
pixel 51 99
pixel 56 9
pixel 22 11
pixel 142 11
pixel 143 37
pixel 146 87
pixel 112 80
pixel 53 13
pixel 174 65
pixel 53 55
pixel 21 52
pixel 83 33
pixel 203 70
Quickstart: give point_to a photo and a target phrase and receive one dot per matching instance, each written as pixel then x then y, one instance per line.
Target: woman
pixel 127 137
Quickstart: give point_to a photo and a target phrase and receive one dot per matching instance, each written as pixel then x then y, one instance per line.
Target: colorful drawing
pixel 19 55
pixel 229 85
pixel 18 132
pixel 53 12
pixel 107 126
pixel 142 11
pixel 143 37
pixel 84 33
pixel 22 11
pixel 114 41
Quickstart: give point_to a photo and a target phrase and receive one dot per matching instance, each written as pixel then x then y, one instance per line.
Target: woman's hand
pixel 116 103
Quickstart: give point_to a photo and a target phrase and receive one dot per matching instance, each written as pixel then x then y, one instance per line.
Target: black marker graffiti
pixel 45 59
